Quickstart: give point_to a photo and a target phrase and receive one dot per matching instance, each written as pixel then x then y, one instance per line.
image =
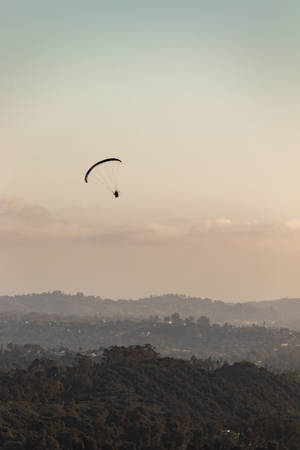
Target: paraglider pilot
pixel 116 193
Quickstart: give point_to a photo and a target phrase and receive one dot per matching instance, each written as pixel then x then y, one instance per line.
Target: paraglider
pixel 105 172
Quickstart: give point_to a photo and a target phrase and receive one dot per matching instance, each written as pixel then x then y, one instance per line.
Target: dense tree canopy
pixel 135 399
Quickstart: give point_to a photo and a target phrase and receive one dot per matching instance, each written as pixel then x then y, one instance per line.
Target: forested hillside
pixel 136 399
pixel 21 337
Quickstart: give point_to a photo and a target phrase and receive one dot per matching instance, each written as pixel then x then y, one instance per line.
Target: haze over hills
pixel 283 312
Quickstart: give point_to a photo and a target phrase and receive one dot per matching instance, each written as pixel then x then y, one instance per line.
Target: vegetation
pixel 279 313
pixel 135 399
pixel 25 338
pixel 96 382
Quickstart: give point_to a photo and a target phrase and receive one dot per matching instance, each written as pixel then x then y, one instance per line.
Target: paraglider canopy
pixel 106 173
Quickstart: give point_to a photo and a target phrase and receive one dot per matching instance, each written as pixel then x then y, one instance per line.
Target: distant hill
pixel 283 312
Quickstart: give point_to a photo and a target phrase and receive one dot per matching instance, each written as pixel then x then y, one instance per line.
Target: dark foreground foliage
pixel 135 399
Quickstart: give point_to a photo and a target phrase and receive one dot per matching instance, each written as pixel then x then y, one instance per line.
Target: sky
pixel 200 100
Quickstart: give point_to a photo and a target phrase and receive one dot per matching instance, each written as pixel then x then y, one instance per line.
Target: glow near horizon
pixel 202 104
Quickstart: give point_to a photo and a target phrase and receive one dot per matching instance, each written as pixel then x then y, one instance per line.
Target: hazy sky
pixel 200 99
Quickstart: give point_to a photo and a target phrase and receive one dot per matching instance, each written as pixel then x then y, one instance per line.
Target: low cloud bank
pixel 20 221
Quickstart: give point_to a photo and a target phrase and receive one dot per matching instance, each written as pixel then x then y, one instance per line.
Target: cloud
pixel 20 221
pixel 16 211
pixel 293 224
pixel 73 249
pixel 160 232
pixel 222 221
pixel 23 222
pixel 211 224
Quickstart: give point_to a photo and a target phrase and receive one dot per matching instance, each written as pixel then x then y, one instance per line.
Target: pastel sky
pixel 200 99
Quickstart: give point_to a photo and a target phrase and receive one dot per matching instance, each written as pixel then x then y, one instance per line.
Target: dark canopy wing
pixel 97 164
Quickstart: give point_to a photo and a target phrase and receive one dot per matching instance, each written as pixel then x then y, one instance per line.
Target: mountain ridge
pixel 284 312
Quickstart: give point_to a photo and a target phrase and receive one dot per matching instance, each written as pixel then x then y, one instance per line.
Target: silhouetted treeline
pixel 282 313
pixel 135 399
